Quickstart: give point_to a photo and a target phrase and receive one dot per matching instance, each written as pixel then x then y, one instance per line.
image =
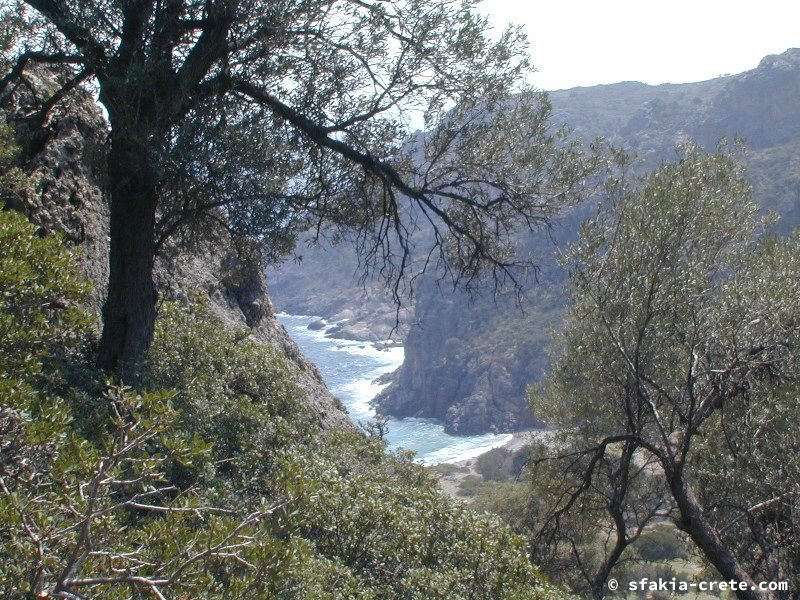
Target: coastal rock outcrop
pixel 327 283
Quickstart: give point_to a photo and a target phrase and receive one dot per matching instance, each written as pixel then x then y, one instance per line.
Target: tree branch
pixel 37 57
pixel 59 14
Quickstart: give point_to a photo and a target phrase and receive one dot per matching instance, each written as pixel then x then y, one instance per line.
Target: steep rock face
pixel 469 363
pixel 760 105
pixel 465 366
pixel 66 157
pixel 470 359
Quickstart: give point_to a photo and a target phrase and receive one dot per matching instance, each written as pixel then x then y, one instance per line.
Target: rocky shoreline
pixel 344 327
pixel 328 286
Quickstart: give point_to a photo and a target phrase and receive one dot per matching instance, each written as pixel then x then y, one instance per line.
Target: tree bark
pixel 130 310
pixel 600 584
pixel 693 522
pixel 616 509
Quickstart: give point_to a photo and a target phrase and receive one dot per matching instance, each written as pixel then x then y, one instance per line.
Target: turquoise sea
pixel 350 369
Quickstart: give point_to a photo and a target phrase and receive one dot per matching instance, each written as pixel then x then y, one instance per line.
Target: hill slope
pixel 469 361
pixel 66 157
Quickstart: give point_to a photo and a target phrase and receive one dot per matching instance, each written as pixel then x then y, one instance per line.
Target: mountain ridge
pixel 459 369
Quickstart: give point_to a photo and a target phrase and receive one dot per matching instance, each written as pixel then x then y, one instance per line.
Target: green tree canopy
pixel 682 338
pixel 270 118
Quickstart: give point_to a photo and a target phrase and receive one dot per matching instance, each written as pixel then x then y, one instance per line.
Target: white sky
pixel 584 42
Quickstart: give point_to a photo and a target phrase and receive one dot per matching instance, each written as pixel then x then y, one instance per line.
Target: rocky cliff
pixel 468 359
pixel 66 157
pixel 469 362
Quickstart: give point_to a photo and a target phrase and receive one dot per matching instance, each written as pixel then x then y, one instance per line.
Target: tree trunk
pixel 600 584
pixel 129 311
pixel 616 509
pixel 694 523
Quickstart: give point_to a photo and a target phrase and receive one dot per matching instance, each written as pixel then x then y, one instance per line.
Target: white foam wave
pixel 469 448
pixel 355 384
pixel 361 392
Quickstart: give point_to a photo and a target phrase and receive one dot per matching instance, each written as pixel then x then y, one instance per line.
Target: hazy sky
pixel 584 42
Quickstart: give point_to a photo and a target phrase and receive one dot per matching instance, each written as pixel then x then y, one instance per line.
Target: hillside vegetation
pixel 208 478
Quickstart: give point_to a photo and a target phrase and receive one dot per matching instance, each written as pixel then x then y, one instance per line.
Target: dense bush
pixel 661 543
pixel 509 500
pixel 495 465
pixel 39 293
pixel 232 392
pixel 222 486
pixel 374 522
pixel 500 464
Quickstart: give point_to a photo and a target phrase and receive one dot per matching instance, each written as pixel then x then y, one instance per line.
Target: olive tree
pixel 584 529
pixel 274 116
pixel 681 351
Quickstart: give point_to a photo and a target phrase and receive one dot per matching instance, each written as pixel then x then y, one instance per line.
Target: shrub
pixel 222 486
pixel 233 393
pixel 80 514
pixel 496 464
pixel 384 518
pixel 374 523
pixel 78 517
pixel 661 543
pixel 509 500
pixel 39 299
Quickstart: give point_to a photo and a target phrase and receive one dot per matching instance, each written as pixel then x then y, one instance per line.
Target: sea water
pixel 350 369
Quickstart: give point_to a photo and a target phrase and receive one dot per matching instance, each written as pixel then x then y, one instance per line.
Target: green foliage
pixel 448 469
pixel 272 136
pixel 66 502
pixel 495 465
pixel 469 486
pixel 232 392
pixel 385 519
pixel 757 439
pixel 674 385
pixel 509 500
pixel 14 183
pixel 376 524
pixel 647 259
pixel 500 464
pixel 38 292
pixel 661 543
pixel 224 486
